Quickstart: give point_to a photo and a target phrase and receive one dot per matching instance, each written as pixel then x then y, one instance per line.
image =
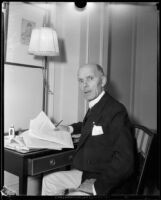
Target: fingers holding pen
pixel 62 128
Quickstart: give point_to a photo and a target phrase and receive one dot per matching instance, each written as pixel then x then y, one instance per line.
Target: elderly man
pixel 104 158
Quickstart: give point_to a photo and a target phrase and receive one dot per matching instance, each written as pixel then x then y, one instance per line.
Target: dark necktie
pixel 86 116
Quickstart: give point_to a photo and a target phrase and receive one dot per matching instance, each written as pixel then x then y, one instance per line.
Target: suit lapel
pixel 93 117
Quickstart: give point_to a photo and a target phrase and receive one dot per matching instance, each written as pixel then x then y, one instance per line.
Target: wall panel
pixel 22 96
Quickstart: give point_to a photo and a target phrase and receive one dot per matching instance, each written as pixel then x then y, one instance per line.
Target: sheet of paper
pixel 41 123
pixel 33 142
pixel 60 137
pixel 42 128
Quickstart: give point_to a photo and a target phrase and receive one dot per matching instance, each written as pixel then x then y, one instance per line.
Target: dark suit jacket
pixel 108 157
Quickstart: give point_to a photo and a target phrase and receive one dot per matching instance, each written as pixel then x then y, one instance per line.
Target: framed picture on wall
pixel 21 19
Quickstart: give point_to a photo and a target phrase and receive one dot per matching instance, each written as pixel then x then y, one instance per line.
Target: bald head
pixel 94 67
pixel 91 80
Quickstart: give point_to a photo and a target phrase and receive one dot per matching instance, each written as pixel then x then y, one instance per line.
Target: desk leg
pixel 23 177
pixel 22 185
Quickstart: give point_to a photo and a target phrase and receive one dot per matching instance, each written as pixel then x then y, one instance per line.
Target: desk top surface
pixel 36 152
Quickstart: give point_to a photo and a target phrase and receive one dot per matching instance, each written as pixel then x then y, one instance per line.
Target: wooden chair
pixel 144 138
pixel 135 184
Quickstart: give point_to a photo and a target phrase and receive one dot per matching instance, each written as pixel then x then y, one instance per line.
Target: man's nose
pixel 85 84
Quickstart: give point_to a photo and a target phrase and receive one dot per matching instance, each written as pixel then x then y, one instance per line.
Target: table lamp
pixel 44 42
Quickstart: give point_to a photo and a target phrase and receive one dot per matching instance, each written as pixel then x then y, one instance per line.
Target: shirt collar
pixel 96 100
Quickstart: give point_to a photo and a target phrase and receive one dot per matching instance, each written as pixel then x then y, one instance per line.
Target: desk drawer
pixel 50 162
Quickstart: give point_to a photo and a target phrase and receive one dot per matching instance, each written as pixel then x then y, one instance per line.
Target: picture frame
pixel 22 17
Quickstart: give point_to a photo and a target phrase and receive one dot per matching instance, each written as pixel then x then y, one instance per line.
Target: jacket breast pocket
pixel 97 130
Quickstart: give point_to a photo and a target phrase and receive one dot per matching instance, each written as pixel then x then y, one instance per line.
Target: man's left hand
pixel 86 186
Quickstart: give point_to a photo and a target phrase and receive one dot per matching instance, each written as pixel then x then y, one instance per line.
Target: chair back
pixel 144 138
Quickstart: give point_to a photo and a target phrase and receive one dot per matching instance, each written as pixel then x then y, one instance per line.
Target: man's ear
pixel 104 80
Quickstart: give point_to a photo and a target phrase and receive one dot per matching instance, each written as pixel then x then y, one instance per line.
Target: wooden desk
pixel 35 162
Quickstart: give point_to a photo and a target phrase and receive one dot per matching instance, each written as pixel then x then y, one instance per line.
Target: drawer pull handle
pixel 52 162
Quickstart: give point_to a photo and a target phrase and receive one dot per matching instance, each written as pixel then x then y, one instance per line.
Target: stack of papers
pixel 42 134
pixel 17 143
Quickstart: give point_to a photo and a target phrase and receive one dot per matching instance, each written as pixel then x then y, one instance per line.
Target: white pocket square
pixel 97 130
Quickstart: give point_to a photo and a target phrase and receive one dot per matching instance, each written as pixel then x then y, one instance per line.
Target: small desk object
pixel 35 162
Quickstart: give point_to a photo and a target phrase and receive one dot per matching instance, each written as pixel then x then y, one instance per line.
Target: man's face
pixel 91 81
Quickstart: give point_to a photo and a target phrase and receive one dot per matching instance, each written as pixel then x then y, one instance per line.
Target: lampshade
pixel 44 42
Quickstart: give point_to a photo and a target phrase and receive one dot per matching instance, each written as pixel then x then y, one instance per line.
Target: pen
pixel 58 123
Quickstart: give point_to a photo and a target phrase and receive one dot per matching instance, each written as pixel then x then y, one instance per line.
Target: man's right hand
pixel 62 128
